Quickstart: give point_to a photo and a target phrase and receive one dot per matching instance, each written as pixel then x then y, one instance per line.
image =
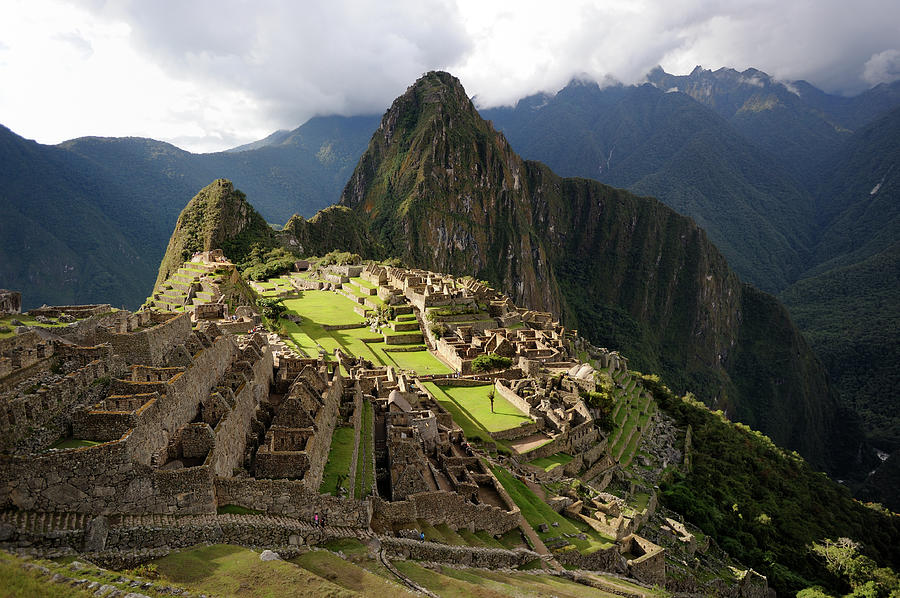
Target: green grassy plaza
pixel 474 404
pixel 318 308
pixel 365 476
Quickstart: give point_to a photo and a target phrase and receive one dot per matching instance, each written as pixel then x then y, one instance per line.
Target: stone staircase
pixel 183 289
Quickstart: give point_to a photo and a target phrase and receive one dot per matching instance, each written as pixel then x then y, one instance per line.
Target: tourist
pixel 316 519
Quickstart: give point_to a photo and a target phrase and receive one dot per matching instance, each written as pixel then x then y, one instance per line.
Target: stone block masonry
pixel 484 558
pixel 293 499
pixel 443 507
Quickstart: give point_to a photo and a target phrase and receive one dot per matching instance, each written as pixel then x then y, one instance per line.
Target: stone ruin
pixel 10 302
pixel 165 420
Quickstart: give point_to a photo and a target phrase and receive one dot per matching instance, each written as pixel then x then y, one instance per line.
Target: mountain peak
pixel 218 217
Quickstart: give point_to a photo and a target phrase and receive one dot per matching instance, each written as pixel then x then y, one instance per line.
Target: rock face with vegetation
pixel 219 216
pixel 441 189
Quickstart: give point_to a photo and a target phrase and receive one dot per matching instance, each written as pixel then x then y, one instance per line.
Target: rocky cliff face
pixel 440 188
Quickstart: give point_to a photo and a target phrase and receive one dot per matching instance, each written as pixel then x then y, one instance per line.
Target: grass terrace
pixel 223 570
pixel 536 512
pixel 27 321
pixel 551 462
pixel 479 583
pixel 365 476
pixel 347 575
pixel 337 468
pixel 474 404
pixel 70 443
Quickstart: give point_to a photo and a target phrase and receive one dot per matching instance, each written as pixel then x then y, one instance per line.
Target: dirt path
pixel 523 445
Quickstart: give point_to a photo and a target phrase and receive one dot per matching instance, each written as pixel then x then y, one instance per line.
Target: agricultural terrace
pixel 552 461
pixel 471 409
pixel 582 536
pixel 325 308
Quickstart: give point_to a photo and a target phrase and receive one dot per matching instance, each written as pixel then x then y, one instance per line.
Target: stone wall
pixel 101 479
pixel 78 311
pixel 10 302
pixel 649 566
pixel 507 393
pixel 603 559
pixel 484 558
pixel 292 498
pixel 37 409
pixel 520 431
pixel 443 507
pixel 231 431
pixel 150 346
pixel 181 399
pixel 403 339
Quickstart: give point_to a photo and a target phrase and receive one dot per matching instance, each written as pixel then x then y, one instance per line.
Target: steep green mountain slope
pixel 440 188
pixel 699 151
pixel 61 238
pixel 851 316
pixel 859 201
pixel 674 148
pixel 88 220
pixel 848 303
pixel 764 505
pixel 218 217
pixel 301 172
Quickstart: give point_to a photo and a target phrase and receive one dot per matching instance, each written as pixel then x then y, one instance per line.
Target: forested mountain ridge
pixel 88 220
pixel 705 144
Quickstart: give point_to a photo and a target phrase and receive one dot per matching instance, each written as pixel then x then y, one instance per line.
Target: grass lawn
pixel 459 583
pixel 470 427
pixel 548 463
pixel 473 400
pixel 324 307
pixel 365 477
pixel 537 511
pixel 338 466
pixel 26 320
pixel 423 362
pixel 359 280
pixel 639 501
pixel 346 574
pixel 224 570
pixel 16 581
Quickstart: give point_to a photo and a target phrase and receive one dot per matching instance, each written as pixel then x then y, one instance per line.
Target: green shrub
pixel 490 362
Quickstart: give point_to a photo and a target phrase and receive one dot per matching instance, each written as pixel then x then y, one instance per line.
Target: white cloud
pixel 209 74
pixel 883 67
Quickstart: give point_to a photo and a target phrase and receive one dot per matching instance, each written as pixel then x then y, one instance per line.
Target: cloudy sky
pixel 211 74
